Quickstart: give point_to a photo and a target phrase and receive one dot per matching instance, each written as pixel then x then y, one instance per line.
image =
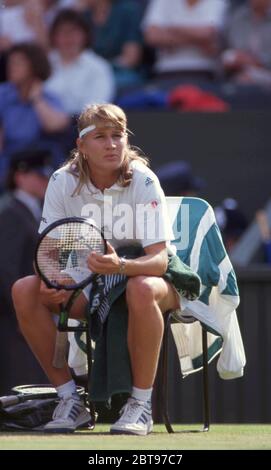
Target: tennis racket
pixel 23 393
pixel 61 262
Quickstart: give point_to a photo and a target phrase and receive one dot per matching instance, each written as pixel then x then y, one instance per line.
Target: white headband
pixel 86 130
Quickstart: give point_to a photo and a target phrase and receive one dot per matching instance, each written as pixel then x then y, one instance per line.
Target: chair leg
pixel 206 407
pixel 164 360
pixel 89 361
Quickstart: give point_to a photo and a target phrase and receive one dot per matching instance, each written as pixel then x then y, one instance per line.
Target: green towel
pixel 186 281
pixel 111 371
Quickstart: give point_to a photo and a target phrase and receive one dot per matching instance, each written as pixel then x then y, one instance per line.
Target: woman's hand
pixel 35 91
pixel 104 264
pixel 54 296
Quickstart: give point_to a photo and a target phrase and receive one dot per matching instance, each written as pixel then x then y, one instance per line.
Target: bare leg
pixel 147 299
pixel 37 325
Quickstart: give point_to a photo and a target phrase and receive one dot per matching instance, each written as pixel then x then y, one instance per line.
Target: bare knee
pixel 24 293
pixel 139 292
pixel 23 287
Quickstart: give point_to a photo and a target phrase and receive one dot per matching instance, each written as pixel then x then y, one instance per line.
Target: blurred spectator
pixel 27 112
pixel 22 20
pixel 231 221
pixel 79 76
pixel 248 37
pixel 53 7
pixel 28 20
pixel 177 179
pixel 27 180
pixel 116 36
pixel 20 213
pixel 186 35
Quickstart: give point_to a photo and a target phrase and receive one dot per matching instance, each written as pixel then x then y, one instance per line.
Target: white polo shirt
pixel 134 214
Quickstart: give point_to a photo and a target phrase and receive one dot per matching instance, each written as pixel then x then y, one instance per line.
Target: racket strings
pixel 62 254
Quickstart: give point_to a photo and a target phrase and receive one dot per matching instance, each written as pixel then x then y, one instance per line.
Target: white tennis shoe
pixel 136 418
pixel 69 415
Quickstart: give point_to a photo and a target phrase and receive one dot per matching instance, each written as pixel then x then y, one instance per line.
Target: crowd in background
pixel 141 40
pixel 58 55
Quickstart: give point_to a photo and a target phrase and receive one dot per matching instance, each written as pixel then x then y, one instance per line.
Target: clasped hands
pixel 104 264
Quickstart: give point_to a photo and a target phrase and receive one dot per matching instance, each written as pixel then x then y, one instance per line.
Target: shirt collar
pixel 90 188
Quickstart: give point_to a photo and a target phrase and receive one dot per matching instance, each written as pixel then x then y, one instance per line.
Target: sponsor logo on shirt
pixel 43 219
pixel 148 181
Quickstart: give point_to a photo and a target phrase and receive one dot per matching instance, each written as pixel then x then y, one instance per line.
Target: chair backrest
pixel 199 244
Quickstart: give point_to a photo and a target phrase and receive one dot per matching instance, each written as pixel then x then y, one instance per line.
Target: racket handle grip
pixel 61 347
pixel 9 400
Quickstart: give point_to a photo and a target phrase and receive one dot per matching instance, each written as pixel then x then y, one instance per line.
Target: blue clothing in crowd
pixel 21 125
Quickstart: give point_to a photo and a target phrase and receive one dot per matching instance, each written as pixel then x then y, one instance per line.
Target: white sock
pixel 142 394
pixel 67 390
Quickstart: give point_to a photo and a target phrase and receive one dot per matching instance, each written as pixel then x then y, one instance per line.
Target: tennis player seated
pixel 106 174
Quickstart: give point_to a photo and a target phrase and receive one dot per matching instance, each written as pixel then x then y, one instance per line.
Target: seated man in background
pixel 247 58
pixel 116 36
pixel 20 212
pixel 186 36
pixel 79 75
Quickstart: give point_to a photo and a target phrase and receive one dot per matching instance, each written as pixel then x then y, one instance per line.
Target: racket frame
pixel 55 285
pixel 61 344
pixel 22 393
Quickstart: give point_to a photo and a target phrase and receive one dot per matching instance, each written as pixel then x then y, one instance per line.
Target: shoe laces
pixel 64 407
pixel 132 408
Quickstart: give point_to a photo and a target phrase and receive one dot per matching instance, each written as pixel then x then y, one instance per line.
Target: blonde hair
pixel 103 115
